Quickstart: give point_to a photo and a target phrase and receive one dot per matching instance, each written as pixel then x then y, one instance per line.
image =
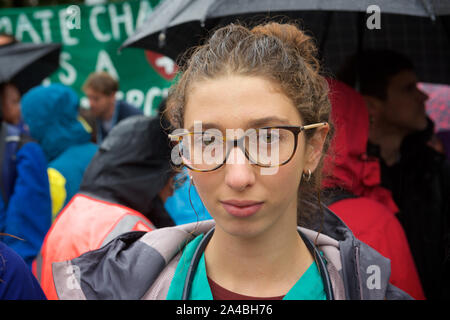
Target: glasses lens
pixel 203 150
pixel 270 147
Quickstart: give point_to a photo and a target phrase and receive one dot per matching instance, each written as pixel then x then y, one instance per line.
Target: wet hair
pixel 370 71
pixel 101 82
pixel 280 53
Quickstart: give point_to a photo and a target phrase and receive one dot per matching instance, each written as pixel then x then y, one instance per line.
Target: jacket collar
pixel 138 261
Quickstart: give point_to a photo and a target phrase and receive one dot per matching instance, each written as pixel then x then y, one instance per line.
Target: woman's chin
pixel 242 228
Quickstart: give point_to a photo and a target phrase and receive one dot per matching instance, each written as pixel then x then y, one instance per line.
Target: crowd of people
pixel 358 208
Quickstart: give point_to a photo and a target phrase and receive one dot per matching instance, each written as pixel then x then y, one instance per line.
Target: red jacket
pixel 371 214
pixel 85 224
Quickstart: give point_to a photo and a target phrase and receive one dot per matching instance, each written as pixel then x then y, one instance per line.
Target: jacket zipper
pixel 357 271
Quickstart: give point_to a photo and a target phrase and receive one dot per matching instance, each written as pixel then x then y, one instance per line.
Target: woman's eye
pixel 269 138
pixel 208 140
pixel 205 140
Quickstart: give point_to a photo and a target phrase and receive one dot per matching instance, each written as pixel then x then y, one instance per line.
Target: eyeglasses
pixel 265 147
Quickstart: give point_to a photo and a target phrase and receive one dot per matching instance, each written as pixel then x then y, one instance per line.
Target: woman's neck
pixel 267 265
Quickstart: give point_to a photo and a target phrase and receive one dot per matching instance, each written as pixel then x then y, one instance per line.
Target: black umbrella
pixel 417 28
pixel 27 64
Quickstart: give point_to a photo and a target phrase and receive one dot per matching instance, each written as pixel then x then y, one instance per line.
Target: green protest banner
pixel 91 37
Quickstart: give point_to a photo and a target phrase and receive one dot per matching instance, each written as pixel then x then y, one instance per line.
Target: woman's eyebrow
pixel 254 123
pixel 206 126
pixel 266 121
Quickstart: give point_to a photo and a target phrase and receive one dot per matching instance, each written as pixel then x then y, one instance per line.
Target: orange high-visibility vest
pixel 85 224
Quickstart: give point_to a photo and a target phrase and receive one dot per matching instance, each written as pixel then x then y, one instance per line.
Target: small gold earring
pixel 307 175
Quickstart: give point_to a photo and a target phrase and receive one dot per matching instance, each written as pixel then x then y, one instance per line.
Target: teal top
pixel 308 287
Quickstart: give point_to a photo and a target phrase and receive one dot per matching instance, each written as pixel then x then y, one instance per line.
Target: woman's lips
pixel 241 208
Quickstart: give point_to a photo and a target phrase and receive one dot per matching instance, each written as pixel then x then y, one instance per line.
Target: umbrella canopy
pixel 417 28
pixel 27 64
pixel 438 105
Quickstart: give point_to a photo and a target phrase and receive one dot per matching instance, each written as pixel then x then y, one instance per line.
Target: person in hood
pixel 23 181
pixel 23 178
pixel 51 113
pixel 250 112
pixel 123 189
pixel 133 168
pixel 352 188
pixel 417 175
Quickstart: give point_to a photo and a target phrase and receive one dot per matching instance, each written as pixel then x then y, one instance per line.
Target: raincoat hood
pixel 132 166
pixel 51 113
pixel 349 166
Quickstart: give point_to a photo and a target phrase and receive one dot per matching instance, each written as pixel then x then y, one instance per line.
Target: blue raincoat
pixel 179 206
pixel 52 115
pixel 25 204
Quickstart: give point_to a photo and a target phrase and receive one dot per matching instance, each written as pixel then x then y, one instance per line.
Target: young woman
pixel 252 115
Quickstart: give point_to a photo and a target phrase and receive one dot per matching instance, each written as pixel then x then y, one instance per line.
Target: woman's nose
pixel 239 173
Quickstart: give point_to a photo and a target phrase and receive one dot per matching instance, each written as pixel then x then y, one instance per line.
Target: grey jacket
pixel 139 265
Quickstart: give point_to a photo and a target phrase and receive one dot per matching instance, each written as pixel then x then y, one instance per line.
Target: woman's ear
pixel 315 147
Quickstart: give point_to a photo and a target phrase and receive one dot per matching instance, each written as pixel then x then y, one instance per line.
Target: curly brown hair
pixel 280 53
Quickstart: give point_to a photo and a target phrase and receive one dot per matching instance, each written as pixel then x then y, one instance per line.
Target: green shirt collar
pixel 308 287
